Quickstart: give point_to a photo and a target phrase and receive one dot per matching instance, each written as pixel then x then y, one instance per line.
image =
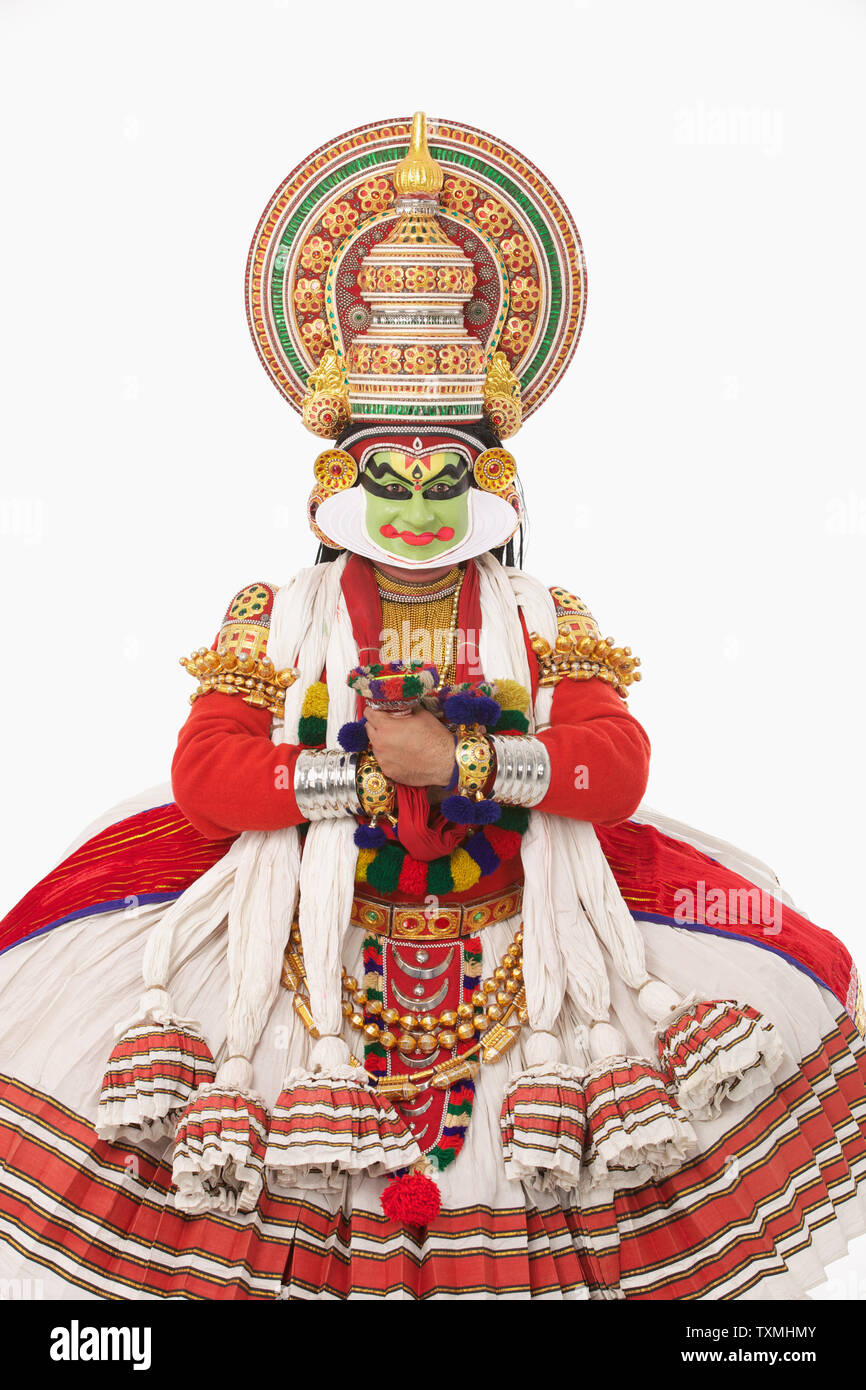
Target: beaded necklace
pixel 422 613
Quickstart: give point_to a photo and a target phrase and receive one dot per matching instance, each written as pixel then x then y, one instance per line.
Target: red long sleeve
pixel 599 754
pixel 227 776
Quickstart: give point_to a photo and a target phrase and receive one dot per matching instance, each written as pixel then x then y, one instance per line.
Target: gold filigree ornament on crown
pixel 326 407
pixel 415 272
pixel 502 397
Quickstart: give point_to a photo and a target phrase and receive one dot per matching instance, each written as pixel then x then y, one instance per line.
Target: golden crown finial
pixel 418 175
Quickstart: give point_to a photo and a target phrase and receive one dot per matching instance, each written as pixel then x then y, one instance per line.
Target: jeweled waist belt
pixel 411 922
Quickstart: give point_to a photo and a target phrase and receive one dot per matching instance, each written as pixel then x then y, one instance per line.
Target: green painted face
pixel 416 508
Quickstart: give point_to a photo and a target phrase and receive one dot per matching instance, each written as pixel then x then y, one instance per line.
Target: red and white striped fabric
pixel 153 1071
pixel 219 1151
pixel 772 1194
pixel 757 1214
pixel 715 1050
pixel 543 1125
pixel 635 1131
pixel 326 1126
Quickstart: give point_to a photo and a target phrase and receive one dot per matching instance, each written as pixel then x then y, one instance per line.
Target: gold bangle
pixel 376 792
pixel 474 756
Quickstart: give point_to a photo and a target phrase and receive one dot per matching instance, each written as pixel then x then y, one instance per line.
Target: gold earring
pixel 335 470
pixel 495 471
pixel 315 500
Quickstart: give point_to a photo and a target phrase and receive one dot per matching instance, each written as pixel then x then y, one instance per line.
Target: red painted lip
pixel 445 533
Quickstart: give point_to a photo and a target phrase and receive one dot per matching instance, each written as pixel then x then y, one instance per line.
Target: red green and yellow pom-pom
pixel 312 730
pixel 413 877
pixel 411 1200
pixel 365 859
pixel 384 870
pixel 464 870
pixel 439 877
pixel 315 705
pixel 506 843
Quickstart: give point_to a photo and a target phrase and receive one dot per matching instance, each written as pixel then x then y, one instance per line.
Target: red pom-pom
pixel 505 843
pixel 413 877
pixel 411 1200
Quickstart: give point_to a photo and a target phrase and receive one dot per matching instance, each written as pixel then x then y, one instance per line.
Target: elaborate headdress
pixel 420 289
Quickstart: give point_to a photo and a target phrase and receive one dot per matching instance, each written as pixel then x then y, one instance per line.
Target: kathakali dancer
pixel 398 992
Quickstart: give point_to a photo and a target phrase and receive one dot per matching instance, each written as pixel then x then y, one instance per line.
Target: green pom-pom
pixel 312 730
pixel 512 722
pixel 514 818
pixel 383 872
pixel 464 1108
pixel 412 686
pixel 439 879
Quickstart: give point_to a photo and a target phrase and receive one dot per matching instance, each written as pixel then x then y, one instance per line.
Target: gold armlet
pixel 254 679
pixel 585 658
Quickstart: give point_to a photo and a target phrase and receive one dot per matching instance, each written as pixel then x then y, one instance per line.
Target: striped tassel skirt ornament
pixel 153 1072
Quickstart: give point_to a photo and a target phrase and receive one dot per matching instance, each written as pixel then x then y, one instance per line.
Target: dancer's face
pixel 417 505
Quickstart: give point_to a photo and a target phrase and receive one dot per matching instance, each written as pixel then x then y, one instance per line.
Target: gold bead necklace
pixel 427 610
pixel 500 1000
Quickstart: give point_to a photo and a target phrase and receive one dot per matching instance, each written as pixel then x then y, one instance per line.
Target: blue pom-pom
pixel 487 812
pixel 353 736
pixel 487 711
pixel 459 708
pixel 459 809
pixel 370 837
pixel 482 852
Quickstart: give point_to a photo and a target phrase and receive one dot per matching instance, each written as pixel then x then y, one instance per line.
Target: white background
pixel 698 477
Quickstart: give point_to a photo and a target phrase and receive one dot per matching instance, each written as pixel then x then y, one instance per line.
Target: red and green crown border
pixel 566 270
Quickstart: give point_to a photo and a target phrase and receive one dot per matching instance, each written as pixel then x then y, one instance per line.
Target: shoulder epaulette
pixel 238 663
pixel 245 627
pixel 572 614
pixel 580 652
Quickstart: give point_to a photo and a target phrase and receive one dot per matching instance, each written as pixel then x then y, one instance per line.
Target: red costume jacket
pixel 228 776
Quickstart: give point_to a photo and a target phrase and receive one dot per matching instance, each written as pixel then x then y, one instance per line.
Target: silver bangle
pixel 522 770
pixel 325 784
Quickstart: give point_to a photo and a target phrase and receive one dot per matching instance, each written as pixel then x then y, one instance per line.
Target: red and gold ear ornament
pixel 335 470
pixel 495 471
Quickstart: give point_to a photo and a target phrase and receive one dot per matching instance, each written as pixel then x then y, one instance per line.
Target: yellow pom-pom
pixel 464 871
pixel 511 695
pixel 315 704
pixel 365 859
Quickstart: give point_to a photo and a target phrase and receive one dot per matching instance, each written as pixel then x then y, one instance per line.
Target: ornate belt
pixel 411 922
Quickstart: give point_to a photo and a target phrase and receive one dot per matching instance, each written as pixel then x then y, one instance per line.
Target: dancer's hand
pixel 415 749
